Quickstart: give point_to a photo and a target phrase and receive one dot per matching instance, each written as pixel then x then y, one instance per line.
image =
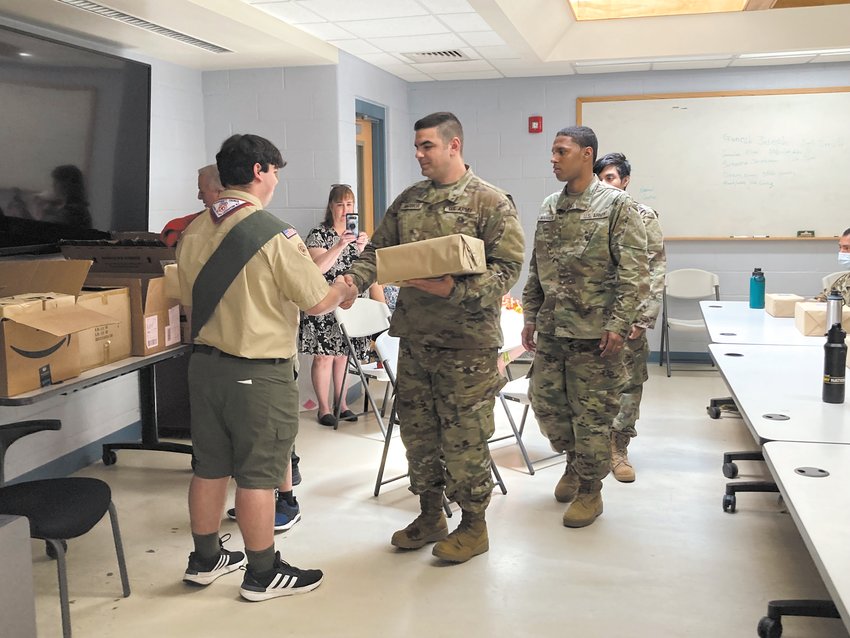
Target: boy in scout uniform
pixel 587 276
pixel 245 274
pixel 450 335
pixel 614 169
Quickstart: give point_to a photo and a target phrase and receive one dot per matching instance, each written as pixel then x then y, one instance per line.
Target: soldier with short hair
pixel 450 335
pixel 614 169
pixel 842 284
pixel 587 277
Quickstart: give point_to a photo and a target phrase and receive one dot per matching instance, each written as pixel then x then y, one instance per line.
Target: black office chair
pixel 58 509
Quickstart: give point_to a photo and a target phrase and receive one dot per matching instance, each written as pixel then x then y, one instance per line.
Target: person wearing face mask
pixel 842 284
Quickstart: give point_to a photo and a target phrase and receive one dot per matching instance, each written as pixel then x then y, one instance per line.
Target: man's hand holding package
pixel 439 286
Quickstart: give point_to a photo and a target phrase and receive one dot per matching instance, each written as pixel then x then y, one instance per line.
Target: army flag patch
pixel 225 207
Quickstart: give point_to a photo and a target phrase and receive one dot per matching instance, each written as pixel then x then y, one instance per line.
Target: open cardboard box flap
pixel 63 321
pixel 23 276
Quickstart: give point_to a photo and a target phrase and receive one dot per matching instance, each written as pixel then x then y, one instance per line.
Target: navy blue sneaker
pixel 282 580
pixel 286 515
pixel 201 572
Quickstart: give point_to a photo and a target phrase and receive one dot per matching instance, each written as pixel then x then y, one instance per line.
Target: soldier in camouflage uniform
pixel 614 169
pixel 450 335
pixel 842 284
pixel 587 276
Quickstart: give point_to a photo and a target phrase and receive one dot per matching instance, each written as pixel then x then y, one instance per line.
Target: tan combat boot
pixel 429 527
pixel 587 506
pixel 567 487
pixel 620 466
pixel 468 540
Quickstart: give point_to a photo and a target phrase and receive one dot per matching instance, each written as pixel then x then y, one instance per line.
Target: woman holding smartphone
pixel 333 245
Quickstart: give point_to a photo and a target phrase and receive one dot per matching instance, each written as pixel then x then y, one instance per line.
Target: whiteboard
pixel 722 165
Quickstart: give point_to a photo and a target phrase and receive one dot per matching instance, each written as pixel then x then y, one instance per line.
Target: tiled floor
pixel 664 560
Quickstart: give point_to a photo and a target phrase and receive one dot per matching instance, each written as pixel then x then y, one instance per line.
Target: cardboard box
pixel 781 304
pixel 37 346
pixel 810 318
pixel 450 255
pixel 108 343
pixel 154 319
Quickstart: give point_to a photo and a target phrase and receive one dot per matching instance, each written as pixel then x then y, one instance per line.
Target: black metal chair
pixel 58 509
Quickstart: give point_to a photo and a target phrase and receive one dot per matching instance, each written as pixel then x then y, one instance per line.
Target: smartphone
pixel 352 223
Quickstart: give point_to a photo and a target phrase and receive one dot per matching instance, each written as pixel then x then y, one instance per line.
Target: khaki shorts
pixel 244 418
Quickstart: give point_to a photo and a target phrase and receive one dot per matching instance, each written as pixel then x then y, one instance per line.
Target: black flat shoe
pixel 327 419
pixel 347 415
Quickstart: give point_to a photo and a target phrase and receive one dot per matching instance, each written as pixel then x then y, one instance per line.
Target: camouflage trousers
pixel 635 354
pixel 445 410
pixel 575 395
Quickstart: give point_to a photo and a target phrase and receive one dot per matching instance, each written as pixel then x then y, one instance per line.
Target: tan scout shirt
pixel 588 270
pixel 469 318
pixel 257 317
pixel 651 306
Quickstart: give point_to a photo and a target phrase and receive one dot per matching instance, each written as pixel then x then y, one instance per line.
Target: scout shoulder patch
pixel 303 249
pixel 458 209
pixel 593 214
pixel 411 206
pixel 225 207
pixel 289 233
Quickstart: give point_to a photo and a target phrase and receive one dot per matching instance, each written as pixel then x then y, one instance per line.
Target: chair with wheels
pixel 688 284
pixel 58 510
pixel 365 318
pixel 770 626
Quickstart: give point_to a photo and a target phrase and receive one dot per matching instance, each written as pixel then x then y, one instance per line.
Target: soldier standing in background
pixel 450 335
pixel 614 169
pixel 587 275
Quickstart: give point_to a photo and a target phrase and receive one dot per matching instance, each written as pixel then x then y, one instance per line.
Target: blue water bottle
pixel 757 289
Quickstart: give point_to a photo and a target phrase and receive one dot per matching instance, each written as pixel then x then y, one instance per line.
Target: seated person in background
pixel 842 284
pixel 67 203
pixel 209 188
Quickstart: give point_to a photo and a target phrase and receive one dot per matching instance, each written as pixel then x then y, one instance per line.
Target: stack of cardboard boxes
pixel 60 317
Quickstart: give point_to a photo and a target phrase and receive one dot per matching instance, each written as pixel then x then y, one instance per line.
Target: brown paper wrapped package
pixel 810 318
pixel 450 255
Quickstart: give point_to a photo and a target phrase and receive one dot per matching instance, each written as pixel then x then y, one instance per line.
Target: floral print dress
pixel 321 335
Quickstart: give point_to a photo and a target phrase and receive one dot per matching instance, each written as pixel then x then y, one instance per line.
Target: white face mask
pixel 844 260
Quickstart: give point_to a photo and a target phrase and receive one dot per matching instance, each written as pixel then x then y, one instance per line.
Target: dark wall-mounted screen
pixel 74 141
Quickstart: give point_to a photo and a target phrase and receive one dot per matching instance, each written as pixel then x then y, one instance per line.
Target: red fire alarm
pixel 535 124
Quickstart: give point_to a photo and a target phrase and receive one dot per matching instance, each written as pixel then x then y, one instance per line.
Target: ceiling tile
pixel 465 22
pixel 355 47
pixel 327 31
pixel 523 68
pixel 381 59
pixel 339 10
pixel 410 44
pixel 288 12
pixel 453 67
pixel 473 75
pixel 446 6
pixel 419 25
pixel 500 52
pixel 482 38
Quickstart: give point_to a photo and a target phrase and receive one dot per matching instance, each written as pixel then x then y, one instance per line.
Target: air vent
pixel 437 56
pixel 106 12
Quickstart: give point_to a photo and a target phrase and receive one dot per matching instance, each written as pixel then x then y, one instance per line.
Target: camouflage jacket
pixel 842 285
pixel 651 306
pixel 469 317
pixel 588 270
